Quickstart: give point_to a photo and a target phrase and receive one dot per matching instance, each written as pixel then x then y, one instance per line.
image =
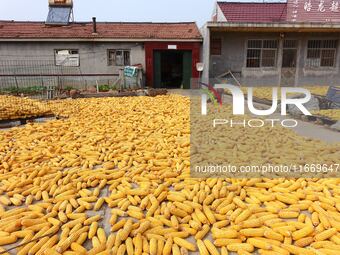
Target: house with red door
pixel 293 43
pixel 167 52
pixel 60 50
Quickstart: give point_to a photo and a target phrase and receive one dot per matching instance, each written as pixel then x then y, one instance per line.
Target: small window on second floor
pixel 118 57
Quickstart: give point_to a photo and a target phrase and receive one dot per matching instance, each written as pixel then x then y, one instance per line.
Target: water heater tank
pixel 60 2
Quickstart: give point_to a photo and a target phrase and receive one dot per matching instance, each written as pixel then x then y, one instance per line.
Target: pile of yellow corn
pixel 12 107
pixel 65 108
pixel 331 113
pixel 132 155
pixel 261 92
pixel 319 91
pixel 267 92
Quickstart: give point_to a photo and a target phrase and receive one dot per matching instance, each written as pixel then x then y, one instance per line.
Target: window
pixel 67 57
pixel 216 46
pixel 289 53
pixel 118 57
pixel 321 53
pixel 262 53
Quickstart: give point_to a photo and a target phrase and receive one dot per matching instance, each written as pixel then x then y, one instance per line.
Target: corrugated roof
pixel 254 12
pixel 107 30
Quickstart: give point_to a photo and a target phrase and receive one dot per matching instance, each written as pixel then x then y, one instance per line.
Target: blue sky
pixel 114 10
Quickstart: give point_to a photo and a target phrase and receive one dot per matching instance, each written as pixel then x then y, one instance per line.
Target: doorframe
pixel 194 47
pixel 297 60
pixel 279 59
pixel 182 53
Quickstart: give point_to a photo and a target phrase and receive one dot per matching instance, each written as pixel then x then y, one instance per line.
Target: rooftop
pixel 139 31
pixel 274 27
pixel 254 12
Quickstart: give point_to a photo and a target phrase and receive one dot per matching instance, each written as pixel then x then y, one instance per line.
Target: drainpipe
pixel 206 54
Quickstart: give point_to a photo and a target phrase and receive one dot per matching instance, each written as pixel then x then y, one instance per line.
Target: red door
pixel 150 47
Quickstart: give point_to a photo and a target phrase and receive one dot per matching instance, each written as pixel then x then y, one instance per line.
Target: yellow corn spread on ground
pixel 12 107
pixel 133 156
pixel 267 92
pixel 332 113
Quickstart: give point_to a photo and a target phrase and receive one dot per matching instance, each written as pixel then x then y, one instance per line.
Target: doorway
pixel 289 60
pixel 172 69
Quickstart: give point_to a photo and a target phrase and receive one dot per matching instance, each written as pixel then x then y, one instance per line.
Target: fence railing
pixel 41 78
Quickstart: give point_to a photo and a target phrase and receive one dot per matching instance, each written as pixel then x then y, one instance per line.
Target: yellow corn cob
pixel 78 248
pixel 183 243
pixel 4 240
pixel 101 235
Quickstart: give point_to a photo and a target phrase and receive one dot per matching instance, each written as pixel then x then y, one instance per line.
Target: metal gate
pixel 289 63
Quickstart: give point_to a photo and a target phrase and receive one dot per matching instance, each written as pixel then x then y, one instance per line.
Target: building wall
pixel 39 58
pixel 234 52
pixel 93 55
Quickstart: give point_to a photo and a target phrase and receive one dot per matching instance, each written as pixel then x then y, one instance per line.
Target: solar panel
pixel 59 15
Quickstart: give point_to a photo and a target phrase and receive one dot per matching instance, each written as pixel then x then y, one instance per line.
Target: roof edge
pixel 103 22
pixel 236 2
pixel 274 24
pixel 141 40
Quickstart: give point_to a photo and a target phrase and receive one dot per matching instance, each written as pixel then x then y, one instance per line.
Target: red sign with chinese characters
pixel 313 11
